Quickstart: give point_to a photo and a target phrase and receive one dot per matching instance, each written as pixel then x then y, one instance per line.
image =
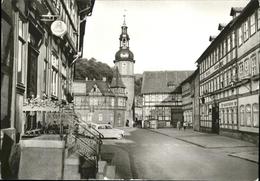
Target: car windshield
pixel 108 127
pixel 101 127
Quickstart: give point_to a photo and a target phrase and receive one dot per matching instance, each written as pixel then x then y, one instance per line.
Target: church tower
pixel 124 61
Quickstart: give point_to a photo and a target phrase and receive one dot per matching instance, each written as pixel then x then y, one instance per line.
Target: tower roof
pixel 117 80
pixel 124 54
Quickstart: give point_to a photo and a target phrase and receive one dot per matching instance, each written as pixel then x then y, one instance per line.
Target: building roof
pixel 162 81
pixel 191 77
pixel 117 80
pixel 253 4
pixel 83 87
pixel 101 85
pixel 124 54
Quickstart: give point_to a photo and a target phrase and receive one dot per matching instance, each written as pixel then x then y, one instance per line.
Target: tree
pixel 92 69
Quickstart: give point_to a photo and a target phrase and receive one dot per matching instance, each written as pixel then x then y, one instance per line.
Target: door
pixel 215 118
pixel 32 84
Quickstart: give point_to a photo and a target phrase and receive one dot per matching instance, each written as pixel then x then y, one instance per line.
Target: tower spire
pixel 124 17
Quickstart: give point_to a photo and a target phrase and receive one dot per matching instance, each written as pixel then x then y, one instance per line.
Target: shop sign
pixel 228 104
pixel 59 28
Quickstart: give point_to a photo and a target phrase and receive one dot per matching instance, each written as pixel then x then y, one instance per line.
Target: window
pixel 248 115
pixel 233 40
pixel 252 24
pixel 229 43
pixel 242 112
pixel 216 54
pixel 241 69
pixel 240 36
pixel 258 19
pixel 100 117
pixel 234 116
pixel 245 25
pixel 220 50
pixel 230 116
pixel 246 67
pixel 112 102
pixel 90 115
pixel 21 51
pixel 255 115
pixel 55 75
pixel 254 65
pixel 224 47
pixel 45 72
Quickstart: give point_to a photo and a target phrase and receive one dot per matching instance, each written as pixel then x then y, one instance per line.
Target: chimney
pixel 221 26
pixel 211 38
pixel 104 79
pixel 235 11
pixel 86 78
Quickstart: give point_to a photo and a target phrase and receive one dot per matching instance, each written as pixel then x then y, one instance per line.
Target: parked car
pixel 108 131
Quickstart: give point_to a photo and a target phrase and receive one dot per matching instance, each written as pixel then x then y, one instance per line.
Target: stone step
pixel 71 168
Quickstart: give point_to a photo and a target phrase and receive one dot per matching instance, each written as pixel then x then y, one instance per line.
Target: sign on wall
pixel 59 28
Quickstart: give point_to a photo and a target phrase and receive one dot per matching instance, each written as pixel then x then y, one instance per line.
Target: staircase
pixel 82 152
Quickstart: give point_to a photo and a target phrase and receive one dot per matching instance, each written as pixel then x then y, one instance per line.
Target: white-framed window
pixel 21 50
pixel 242 115
pixel 229 43
pixel 245 30
pixel 254 64
pixel 112 102
pixel 248 115
pixel 100 117
pixel 240 36
pixel 252 24
pixel 246 67
pixel 255 114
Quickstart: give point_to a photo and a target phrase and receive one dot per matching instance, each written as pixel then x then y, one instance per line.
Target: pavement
pixel 118 156
pixel 233 147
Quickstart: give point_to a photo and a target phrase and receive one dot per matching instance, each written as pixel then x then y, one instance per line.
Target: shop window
pixel 255 114
pixel 242 115
pixel 248 115
pixel 234 116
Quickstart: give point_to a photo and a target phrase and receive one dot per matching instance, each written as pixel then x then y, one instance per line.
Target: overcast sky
pixel 164 34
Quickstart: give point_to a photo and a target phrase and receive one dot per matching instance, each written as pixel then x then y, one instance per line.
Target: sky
pixel 164 34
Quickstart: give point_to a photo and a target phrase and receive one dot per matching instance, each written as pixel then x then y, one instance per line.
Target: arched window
pixel 242 111
pixel 255 115
pixel 248 115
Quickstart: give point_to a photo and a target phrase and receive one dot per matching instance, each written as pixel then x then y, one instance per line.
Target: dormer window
pixel 171 85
